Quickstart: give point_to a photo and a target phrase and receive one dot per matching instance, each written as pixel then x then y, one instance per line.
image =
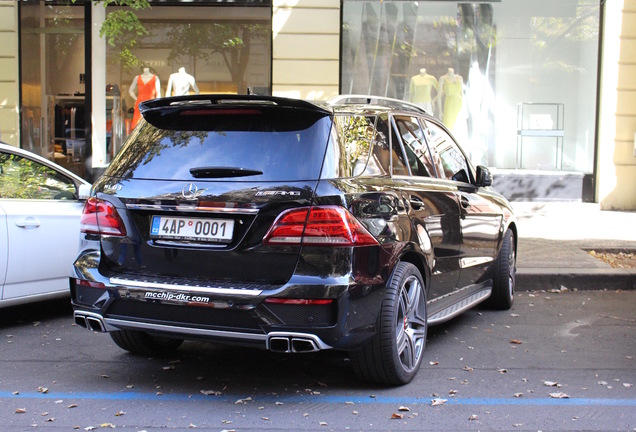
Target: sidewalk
pixel 554 240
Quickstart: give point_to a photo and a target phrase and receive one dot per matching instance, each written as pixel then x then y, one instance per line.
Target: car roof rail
pixel 351 99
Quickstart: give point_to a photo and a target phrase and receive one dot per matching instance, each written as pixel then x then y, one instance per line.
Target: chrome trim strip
pixel 473 261
pixel 126 283
pixel 192 208
pixel 117 324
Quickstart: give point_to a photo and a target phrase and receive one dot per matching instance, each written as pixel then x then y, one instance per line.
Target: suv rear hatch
pixel 201 180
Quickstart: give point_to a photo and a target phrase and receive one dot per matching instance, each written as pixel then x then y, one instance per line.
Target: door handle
pixel 28 223
pixel 465 202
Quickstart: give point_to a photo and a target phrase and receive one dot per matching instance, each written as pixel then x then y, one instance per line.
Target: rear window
pixel 245 144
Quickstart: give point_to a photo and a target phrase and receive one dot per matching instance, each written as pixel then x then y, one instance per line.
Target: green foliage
pixel 122 28
pixel 22 178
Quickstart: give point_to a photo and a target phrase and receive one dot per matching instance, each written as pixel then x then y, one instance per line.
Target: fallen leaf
pixel 44 414
pixel 72 406
pixel 433 363
pixel 50 420
pixel 473 417
pixel 20 410
pixel 397 416
pixel 468 368
pixel 438 401
pixel 518 395
pixel 265 418
pixel 278 403
pixel 322 423
pixel 551 384
pixel 90 428
pixel 192 426
pixel 107 425
pixel 559 395
pixel 503 371
pixel 628 385
pixel 404 408
pixel 119 413
pixel 349 403
pixel 43 389
pixel 15 393
pixel 515 341
pixel 243 401
pixel 210 392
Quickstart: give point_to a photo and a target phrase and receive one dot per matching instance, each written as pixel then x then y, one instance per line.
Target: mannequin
pixel 450 86
pixel 143 87
pixel 181 82
pixel 420 90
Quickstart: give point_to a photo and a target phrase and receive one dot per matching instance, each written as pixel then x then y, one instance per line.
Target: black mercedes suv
pixel 293 226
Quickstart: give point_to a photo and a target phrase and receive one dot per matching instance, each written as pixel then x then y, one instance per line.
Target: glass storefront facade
pixel 206 47
pixel 514 80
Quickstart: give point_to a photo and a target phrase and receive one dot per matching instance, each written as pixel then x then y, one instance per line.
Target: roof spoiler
pixel 217 100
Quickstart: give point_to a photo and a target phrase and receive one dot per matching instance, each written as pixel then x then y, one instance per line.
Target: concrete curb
pixel 530 279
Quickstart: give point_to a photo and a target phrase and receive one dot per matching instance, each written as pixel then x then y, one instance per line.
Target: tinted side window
pixel 380 158
pixel 24 178
pixel 398 164
pixel 349 147
pixel 415 146
pixel 453 162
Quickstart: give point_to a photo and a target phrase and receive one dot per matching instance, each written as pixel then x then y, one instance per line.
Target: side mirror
pixel 84 191
pixel 484 177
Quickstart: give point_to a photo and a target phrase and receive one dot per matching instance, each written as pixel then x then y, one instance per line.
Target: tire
pixel 141 343
pixel 394 354
pixel 504 278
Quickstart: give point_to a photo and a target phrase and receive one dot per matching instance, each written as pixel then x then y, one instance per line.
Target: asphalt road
pixel 556 362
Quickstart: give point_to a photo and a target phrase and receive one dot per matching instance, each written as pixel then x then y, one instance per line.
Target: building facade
pixel 539 91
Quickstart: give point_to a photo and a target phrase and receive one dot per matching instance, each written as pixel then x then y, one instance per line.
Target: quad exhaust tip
pixel 295 343
pixel 90 322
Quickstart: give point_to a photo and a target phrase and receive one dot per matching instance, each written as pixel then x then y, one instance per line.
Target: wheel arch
pixel 419 262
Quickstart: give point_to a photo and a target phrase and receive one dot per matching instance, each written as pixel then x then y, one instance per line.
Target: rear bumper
pixel 231 313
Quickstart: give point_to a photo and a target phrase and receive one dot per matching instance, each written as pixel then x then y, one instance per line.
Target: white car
pixel 40 210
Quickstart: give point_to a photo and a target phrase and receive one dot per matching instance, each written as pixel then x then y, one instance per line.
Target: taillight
pixel 101 217
pixel 87 283
pixel 318 226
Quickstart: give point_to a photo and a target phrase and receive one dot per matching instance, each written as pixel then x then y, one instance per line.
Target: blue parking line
pixel 324 399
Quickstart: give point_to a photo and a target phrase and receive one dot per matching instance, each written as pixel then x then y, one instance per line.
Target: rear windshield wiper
pixel 220 172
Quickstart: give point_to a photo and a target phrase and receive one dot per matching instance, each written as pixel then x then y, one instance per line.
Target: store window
pixel 53 110
pixel 188 50
pixel 515 81
pixel 194 46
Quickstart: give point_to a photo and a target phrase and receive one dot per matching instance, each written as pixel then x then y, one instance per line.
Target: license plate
pixel 182 228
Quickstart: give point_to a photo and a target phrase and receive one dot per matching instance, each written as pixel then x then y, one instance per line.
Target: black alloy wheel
pixel 394 354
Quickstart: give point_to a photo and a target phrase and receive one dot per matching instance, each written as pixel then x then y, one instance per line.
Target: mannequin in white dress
pixel 180 83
